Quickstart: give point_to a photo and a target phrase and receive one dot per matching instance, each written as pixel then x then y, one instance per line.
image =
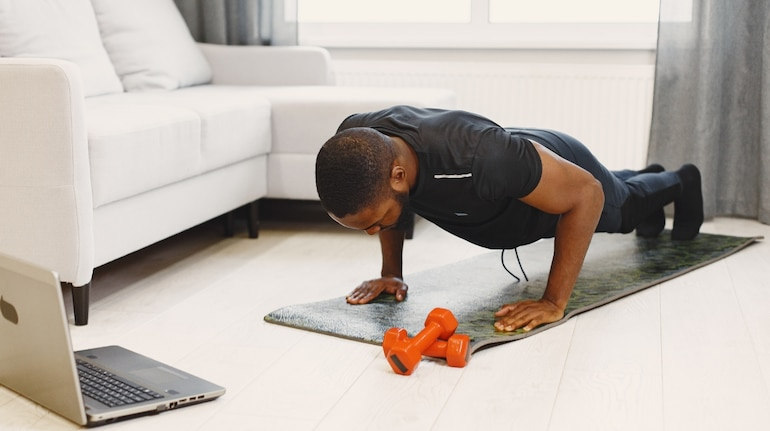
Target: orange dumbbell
pixel 404 354
pixel 455 350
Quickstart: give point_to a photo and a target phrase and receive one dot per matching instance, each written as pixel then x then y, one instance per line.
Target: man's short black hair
pixel 352 170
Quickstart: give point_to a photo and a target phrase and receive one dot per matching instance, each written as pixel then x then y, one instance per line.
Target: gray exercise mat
pixel 473 289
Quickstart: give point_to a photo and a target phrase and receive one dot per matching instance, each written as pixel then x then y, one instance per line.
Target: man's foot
pixel 688 208
pixel 654 224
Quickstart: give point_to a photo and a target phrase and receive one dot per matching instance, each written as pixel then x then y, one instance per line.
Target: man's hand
pixel 527 315
pixel 370 289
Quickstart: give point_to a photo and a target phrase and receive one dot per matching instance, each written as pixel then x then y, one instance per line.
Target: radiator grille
pixel 607 107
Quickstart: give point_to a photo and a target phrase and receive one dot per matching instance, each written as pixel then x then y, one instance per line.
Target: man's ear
pixel 398 179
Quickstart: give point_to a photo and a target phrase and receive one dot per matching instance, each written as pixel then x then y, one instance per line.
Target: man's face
pixel 383 215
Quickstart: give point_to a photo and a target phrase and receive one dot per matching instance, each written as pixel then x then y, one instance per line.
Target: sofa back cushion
pixel 61 29
pixel 150 45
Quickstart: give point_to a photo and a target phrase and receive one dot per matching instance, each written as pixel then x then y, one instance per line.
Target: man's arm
pixel 577 196
pixel 392 279
pixel 392 247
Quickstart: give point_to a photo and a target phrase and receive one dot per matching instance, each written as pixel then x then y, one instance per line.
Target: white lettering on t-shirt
pixel 452 176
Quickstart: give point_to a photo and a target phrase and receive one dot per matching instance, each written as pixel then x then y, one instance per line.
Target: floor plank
pixel 512 386
pixel 382 400
pixel 611 378
pixel 748 278
pixel 709 363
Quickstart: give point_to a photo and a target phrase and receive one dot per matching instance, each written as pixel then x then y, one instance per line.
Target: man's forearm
pixel 392 246
pixel 573 237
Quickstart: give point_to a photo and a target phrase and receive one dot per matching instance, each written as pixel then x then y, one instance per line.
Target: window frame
pixel 480 33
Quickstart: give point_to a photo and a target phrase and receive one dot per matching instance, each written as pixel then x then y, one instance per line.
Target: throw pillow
pixel 60 29
pixel 150 44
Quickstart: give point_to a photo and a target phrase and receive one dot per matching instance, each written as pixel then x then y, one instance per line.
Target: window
pixel 378 11
pixel 583 11
pixel 623 24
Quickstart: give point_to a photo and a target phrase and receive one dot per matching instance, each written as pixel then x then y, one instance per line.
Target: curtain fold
pixel 711 101
pixel 240 22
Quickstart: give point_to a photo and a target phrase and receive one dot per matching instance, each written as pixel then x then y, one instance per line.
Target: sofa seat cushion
pixel 134 148
pixel 300 112
pixel 142 141
pixel 235 121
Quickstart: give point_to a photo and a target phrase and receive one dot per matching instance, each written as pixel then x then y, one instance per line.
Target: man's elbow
pixel 595 195
pixel 587 200
pixel 597 191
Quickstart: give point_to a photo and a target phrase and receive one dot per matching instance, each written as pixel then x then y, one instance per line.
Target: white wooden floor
pixel 690 354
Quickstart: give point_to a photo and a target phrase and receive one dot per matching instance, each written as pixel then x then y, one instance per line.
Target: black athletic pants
pixel 629 196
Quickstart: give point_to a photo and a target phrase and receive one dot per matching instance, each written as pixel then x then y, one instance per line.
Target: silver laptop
pixel 36 359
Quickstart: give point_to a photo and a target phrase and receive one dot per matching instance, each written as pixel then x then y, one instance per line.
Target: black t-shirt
pixel 471 174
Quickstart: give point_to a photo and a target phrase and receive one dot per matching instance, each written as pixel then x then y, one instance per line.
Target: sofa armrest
pixel 46 216
pixel 268 65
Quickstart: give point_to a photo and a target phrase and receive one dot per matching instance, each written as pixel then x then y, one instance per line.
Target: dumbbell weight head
pixel 393 336
pixel 456 350
pixel 403 358
pixel 444 319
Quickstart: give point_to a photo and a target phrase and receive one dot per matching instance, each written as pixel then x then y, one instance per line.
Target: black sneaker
pixel 688 208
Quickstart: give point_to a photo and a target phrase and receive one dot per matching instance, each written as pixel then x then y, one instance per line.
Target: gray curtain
pixel 240 22
pixel 712 101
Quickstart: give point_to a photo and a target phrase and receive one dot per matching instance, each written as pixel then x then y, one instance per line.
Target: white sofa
pixel 117 130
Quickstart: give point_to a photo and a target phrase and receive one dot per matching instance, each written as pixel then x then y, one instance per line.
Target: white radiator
pixel 607 107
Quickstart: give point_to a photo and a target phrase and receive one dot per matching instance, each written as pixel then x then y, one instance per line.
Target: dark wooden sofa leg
pixel 80 302
pixel 228 223
pixel 253 219
pixel 252 215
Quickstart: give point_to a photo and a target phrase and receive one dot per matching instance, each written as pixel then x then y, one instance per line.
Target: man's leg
pixel 629 203
pixel 629 173
pixel 654 224
pixel 649 193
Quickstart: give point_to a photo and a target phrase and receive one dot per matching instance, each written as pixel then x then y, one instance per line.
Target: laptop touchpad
pixel 158 375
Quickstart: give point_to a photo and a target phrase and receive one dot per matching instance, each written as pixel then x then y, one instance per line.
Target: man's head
pixel 354 170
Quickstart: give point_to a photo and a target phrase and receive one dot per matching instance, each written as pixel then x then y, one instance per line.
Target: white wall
pixel 602 97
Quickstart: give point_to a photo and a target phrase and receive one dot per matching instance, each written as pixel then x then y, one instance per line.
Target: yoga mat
pixel 473 289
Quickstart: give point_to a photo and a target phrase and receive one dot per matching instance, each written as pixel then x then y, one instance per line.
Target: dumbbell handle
pixel 436 350
pixel 427 336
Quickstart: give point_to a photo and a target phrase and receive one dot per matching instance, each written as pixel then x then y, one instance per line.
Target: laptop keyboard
pixel 106 388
